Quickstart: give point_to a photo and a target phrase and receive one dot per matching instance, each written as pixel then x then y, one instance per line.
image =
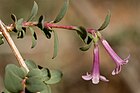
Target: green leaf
pixel 13 83
pixel 46 74
pixel 34 84
pixel 19 24
pixel 1 39
pixel 55 45
pixel 35 80
pixel 55 77
pixel 14 18
pixel 21 34
pixel 81 31
pixel 43 74
pixel 106 22
pixel 11 68
pixel 34 37
pixel 47 32
pixel 62 12
pixel 86 47
pixel 30 64
pixel 41 22
pixel 21 30
pixel 47 89
pixel 88 42
pixel 24 70
pixel 89 38
pixel 35 73
pixel 13 78
pixel 33 12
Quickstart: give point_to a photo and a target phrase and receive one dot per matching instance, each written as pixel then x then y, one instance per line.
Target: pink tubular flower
pixel 95 74
pixel 119 61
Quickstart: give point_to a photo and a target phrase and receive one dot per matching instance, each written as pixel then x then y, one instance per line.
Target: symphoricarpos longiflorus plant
pixel 32 78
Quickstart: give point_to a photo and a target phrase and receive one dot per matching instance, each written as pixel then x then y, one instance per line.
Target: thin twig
pixel 8 38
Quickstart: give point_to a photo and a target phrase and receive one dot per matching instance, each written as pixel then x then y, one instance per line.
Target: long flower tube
pixel 117 59
pixel 95 73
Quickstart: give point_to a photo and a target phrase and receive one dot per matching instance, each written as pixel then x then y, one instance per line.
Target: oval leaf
pixel 13 83
pixel 62 12
pixel 106 22
pixel 34 84
pixel 36 73
pixel 55 77
pixel 46 74
pixel 30 64
pixel 34 37
pixel 33 12
pixel 13 78
pixel 55 45
pixel 11 68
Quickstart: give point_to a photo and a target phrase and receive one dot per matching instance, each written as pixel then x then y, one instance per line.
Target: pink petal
pixel 117 70
pixel 104 78
pixel 87 77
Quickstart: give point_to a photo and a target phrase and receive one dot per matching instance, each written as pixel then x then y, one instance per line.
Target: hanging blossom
pixel 95 73
pixel 118 61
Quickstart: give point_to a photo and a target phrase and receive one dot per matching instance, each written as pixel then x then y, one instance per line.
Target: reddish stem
pixel 52 25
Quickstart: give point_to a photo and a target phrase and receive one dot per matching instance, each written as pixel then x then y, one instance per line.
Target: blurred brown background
pixel 123 33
